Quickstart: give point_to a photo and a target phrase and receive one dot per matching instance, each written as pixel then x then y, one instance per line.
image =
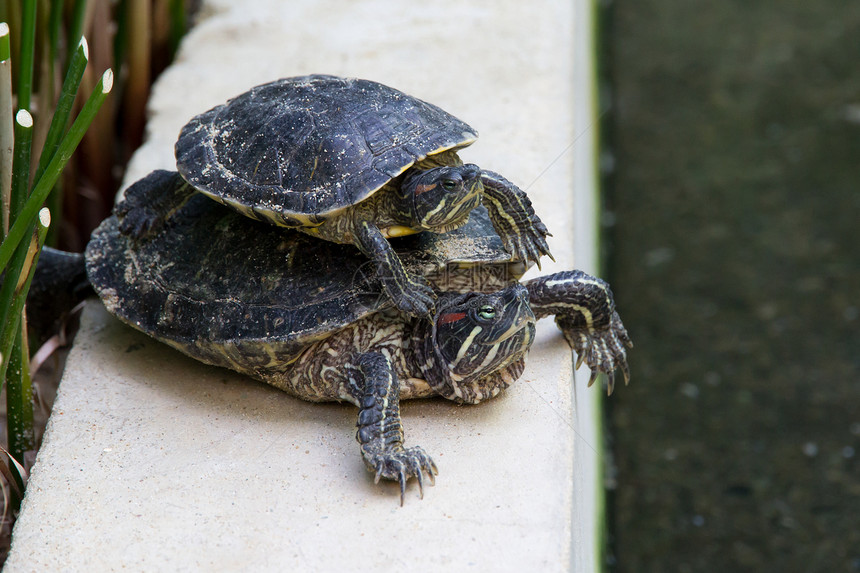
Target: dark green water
pixel 734 252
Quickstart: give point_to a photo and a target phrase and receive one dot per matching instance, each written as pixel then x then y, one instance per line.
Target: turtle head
pixel 440 199
pixel 476 336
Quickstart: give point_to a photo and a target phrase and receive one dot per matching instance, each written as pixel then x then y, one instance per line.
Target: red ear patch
pixel 419 189
pixel 451 317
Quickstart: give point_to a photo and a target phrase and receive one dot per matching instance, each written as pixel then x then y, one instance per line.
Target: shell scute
pixel 311 146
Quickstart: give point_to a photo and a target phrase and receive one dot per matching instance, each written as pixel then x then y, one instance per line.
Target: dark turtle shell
pixel 216 278
pixel 299 149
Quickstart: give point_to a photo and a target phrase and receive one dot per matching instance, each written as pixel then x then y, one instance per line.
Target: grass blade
pixel 64 106
pixel 16 285
pixel 7 131
pixel 55 24
pixel 5 46
pixel 177 25
pixel 20 180
pixel 15 474
pixel 19 391
pixel 44 94
pixel 19 397
pixel 120 39
pixel 43 186
pixel 76 28
pixel 28 51
pixel 21 162
pixel 16 477
pixel 11 283
pixel 138 80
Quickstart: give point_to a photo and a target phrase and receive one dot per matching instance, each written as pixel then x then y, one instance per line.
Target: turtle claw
pixel 580 358
pixel 625 370
pixel 402 464
pixel 610 382
pixel 420 477
pixel 410 293
pixel 592 378
pixel 528 243
pixel 521 230
pixel 417 299
pixel 603 351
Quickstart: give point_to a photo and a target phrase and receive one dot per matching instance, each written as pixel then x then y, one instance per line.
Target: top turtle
pixel 346 160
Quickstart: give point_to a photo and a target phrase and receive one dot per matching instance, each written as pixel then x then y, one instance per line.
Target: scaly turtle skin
pixel 346 160
pixel 307 317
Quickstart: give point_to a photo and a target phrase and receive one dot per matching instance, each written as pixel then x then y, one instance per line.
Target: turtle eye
pixel 449 184
pixel 487 312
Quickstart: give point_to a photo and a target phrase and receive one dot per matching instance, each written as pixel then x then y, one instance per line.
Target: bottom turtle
pixel 312 318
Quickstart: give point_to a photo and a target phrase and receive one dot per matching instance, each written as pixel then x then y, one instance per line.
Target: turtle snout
pixel 516 301
pixel 525 314
pixel 520 293
pixel 470 172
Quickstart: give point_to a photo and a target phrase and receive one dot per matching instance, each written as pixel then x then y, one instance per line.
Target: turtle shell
pixel 297 150
pixel 213 279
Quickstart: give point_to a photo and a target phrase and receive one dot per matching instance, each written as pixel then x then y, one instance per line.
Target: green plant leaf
pixel 45 183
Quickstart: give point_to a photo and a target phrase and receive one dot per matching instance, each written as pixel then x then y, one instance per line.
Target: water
pixel 734 252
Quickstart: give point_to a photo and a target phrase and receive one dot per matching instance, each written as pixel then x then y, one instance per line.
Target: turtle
pixel 345 160
pixel 311 317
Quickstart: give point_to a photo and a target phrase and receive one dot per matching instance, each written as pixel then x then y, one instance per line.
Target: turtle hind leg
pixel 150 202
pixel 584 310
pixel 411 294
pixel 380 432
pixel 521 230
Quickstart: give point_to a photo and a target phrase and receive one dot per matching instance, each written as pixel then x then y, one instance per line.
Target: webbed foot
pixel 521 230
pixel 603 350
pixel 149 202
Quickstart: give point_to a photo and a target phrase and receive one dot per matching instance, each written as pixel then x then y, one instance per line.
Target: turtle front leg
pixel 584 310
pixel 150 202
pixel 521 230
pixel 410 293
pixel 380 432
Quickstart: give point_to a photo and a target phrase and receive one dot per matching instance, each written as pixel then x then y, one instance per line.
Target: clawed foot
pixel 402 464
pixel 376 390
pixel 510 209
pixel 414 296
pixel 602 350
pixel 150 201
pixel 410 293
pixel 137 221
pixel 530 243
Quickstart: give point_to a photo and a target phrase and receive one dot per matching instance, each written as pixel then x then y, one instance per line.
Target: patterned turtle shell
pixel 213 275
pixel 301 149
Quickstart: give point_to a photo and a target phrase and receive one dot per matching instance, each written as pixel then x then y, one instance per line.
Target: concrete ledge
pixel 155 462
